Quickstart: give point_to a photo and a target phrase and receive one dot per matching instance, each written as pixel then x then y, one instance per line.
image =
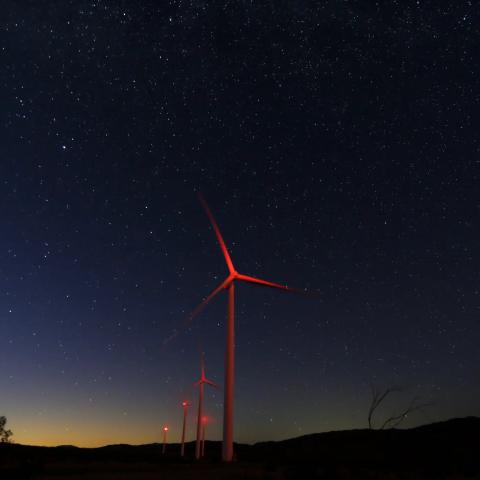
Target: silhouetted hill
pixel 462 426
pixel 446 449
pixel 459 431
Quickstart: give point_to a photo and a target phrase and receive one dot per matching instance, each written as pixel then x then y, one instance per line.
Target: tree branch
pixel 395 420
pixel 377 399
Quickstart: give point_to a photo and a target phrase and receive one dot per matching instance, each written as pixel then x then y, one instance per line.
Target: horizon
pixel 219 439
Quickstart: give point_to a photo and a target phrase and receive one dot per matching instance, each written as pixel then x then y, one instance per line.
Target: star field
pixel 337 145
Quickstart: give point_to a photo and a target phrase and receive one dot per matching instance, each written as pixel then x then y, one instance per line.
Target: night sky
pixel 337 144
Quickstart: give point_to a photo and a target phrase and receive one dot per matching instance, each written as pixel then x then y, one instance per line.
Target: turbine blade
pixel 177 331
pixel 226 255
pixel 202 367
pixel 213 384
pixel 204 303
pixel 265 283
pixel 208 382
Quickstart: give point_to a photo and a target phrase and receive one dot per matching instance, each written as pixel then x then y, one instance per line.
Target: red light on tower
pixel 204 427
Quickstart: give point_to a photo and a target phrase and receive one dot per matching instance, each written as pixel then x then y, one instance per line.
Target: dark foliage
pixel 4 433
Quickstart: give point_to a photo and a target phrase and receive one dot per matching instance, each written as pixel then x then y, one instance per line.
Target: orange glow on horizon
pixel 85 431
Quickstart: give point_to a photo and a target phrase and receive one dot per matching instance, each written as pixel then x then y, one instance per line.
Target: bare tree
pixel 414 406
pixel 394 420
pixel 4 434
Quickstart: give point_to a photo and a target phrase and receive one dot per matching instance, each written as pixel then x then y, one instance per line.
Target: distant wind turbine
pixel 165 430
pixel 185 406
pixel 229 285
pixel 203 380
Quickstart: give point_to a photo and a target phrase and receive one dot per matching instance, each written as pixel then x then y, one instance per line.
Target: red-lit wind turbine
pixel 165 430
pixel 203 380
pixel 185 406
pixel 229 285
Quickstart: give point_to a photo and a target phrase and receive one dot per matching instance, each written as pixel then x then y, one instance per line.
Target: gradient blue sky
pixel 336 145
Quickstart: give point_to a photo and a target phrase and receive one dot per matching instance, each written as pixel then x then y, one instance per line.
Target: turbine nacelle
pixel 203 379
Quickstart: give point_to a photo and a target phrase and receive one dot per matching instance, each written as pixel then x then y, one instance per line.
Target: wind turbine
pixel 229 285
pixel 185 406
pixel 203 380
pixel 165 430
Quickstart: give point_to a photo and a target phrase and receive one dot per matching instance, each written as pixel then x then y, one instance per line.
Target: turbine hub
pixel 230 279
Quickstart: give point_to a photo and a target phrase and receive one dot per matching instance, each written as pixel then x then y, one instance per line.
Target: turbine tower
pixel 165 430
pixel 204 427
pixel 229 285
pixel 185 406
pixel 203 380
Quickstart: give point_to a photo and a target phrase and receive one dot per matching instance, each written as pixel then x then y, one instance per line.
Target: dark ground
pixel 446 450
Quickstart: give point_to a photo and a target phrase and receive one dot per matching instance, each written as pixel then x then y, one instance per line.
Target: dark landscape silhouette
pixel 443 450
